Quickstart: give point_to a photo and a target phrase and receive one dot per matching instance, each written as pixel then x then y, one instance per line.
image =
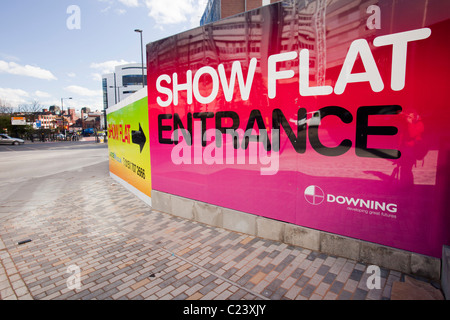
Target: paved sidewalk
pixel 126 250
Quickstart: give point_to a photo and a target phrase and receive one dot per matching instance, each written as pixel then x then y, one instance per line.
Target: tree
pixel 33 107
pixel 5 124
pixel 5 108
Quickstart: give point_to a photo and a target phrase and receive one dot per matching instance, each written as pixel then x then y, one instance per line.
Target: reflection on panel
pixel 259 111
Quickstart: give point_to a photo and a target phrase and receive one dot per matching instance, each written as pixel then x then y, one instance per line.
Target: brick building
pixel 47 118
pixel 52 118
pixel 220 9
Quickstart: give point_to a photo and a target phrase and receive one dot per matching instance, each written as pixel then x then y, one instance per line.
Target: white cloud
pixel 42 94
pixel 27 70
pixel 130 3
pixel 13 96
pixel 108 66
pixel 126 3
pixel 94 103
pixel 177 12
pixel 165 12
pixel 82 91
pixel 71 74
pixel 96 76
pixel 105 10
pixel 9 57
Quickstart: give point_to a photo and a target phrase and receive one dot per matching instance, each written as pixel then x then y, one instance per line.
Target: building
pixel 126 80
pixel 52 118
pixel 90 120
pixel 93 120
pixel 47 119
pixel 55 109
pixel 314 23
pixel 218 9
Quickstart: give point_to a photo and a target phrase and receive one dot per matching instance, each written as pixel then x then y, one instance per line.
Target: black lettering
pixel 255 115
pixel 230 115
pixel 313 132
pixel 203 116
pixel 187 132
pixel 363 130
pixel 299 141
pixel 162 128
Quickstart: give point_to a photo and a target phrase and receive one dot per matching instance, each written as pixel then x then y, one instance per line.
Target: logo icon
pixel 314 195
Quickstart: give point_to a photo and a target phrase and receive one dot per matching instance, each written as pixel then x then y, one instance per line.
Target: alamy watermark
pixel 73 22
pixel 374 21
pixel 74 280
pixel 374 280
pixel 238 147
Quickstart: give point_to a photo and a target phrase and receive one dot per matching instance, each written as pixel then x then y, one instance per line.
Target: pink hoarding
pixel 333 118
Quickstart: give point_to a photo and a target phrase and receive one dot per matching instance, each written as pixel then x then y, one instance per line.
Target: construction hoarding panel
pixel 129 150
pixel 292 112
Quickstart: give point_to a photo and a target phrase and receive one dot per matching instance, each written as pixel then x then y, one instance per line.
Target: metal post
pixel 62 114
pixel 142 58
pixel 115 88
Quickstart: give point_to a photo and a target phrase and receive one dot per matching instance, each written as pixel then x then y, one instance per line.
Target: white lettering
pixel 215 85
pixel 392 207
pixel 200 310
pixel 236 71
pixel 364 203
pixel 232 137
pixel 369 204
pixel 352 201
pixel 274 75
pixel 399 43
pixel 305 89
pixel 359 49
pixel 212 154
pixel 164 90
pixel 74 280
pixel 74 21
pixel 271 158
pixel 186 86
pixel 374 21
pixel 197 140
pixel 373 281
pixel 340 199
pixel 380 206
pixel 372 75
pixel 181 152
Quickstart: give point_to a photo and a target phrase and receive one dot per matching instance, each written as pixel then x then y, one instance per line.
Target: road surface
pixel 34 174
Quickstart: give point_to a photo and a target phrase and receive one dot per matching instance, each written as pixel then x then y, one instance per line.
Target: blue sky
pixel 42 59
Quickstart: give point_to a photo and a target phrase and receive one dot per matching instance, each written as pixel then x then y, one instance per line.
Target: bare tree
pixel 33 107
pixel 5 107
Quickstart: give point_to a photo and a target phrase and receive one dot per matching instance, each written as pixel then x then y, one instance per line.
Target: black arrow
pixel 138 137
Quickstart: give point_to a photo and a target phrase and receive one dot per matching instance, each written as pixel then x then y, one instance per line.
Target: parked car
pixel 60 137
pixel 5 139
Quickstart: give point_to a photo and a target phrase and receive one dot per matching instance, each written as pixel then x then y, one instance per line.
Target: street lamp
pixel 142 56
pixel 62 113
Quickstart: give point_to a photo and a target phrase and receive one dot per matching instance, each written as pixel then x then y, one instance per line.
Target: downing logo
pixel 314 195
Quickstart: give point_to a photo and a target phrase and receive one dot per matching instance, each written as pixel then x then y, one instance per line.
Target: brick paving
pixel 126 250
